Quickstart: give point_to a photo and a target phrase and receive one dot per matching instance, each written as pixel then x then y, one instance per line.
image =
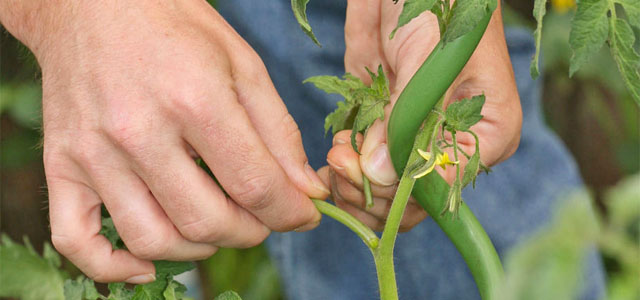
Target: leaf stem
pixel 365 233
pixel 368 197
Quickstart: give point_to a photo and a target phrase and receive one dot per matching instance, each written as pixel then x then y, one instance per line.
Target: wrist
pixel 33 22
pixel 46 27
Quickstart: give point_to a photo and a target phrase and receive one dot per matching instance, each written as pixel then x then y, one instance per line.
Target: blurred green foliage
pixel 249 272
pixel 605 97
pixel 549 265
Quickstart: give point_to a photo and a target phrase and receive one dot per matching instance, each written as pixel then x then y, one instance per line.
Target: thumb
pixel 375 160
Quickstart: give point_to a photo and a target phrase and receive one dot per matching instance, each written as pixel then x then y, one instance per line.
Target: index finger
pixel 227 141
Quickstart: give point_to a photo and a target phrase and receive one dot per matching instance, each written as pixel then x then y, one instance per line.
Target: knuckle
pixel 149 246
pixel 349 193
pixel 202 230
pixel 96 272
pixel 188 103
pixel 65 245
pixel 251 65
pixel 254 241
pixel 291 130
pixel 128 134
pixel 254 191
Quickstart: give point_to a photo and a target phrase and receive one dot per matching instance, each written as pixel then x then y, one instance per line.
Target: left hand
pixel 489 71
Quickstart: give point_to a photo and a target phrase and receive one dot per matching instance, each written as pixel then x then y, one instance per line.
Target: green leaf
pixel 362 104
pixel 621 44
pixel 589 30
pixel 410 10
pixel 109 231
pixel 151 291
pixel 81 288
pixel 368 113
pixel 90 291
pixel 73 289
pixel 334 85
pixel 632 8
pixel 372 102
pixel 341 118
pixel 172 268
pixel 539 10
pixel 461 115
pixel 174 291
pixel 165 270
pixel 26 275
pixel 228 295
pixel 299 8
pixel 466 14
pixel 118 291
pixel 471 170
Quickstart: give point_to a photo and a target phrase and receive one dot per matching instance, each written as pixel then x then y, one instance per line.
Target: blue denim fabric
pixel 331 262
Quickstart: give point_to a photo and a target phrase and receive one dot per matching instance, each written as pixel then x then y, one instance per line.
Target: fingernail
pixel 334 165
pixel 140 279
pixel 307 227
pixel 315 179
pixel 378 167
pixel 339 141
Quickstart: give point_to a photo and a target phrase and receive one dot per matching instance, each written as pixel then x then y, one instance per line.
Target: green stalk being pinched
pixel 413 125
pixel 416 102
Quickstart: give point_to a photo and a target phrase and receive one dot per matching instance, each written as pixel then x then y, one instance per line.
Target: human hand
pixel 132 92
pixel 489 71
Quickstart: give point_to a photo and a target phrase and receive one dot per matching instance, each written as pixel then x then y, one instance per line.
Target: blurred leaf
pixel 81 288
pixel 539 10
pixel 632 8
pixel 22 103
pixel 228 295
pixel 249 272
pixel 26 275
pixel 20 148
pixel 621 41
pixel 620 240
pixel 549 264
pixel 589 31
pixel 118 291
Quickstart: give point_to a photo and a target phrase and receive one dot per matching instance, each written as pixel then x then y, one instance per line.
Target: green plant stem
pixel 364 232
pixel 414 105
pixel 368 198
pixel 383 256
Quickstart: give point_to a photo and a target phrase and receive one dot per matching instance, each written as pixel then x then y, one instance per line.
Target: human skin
pixel 489 71
pixel 132 92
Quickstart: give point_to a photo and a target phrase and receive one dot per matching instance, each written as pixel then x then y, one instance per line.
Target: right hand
pixel 132 91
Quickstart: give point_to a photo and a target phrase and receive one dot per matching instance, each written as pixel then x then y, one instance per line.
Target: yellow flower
pixel 562 6
pixel 442 160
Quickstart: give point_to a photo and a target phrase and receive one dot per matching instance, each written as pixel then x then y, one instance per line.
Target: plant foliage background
pixel 593 112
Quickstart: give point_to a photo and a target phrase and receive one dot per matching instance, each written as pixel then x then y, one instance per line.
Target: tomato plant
pixel 417 119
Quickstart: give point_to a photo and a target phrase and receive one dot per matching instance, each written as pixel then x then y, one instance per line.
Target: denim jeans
pixel 330 262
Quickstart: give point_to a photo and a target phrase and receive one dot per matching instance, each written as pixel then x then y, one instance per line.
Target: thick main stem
pixel 383 256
